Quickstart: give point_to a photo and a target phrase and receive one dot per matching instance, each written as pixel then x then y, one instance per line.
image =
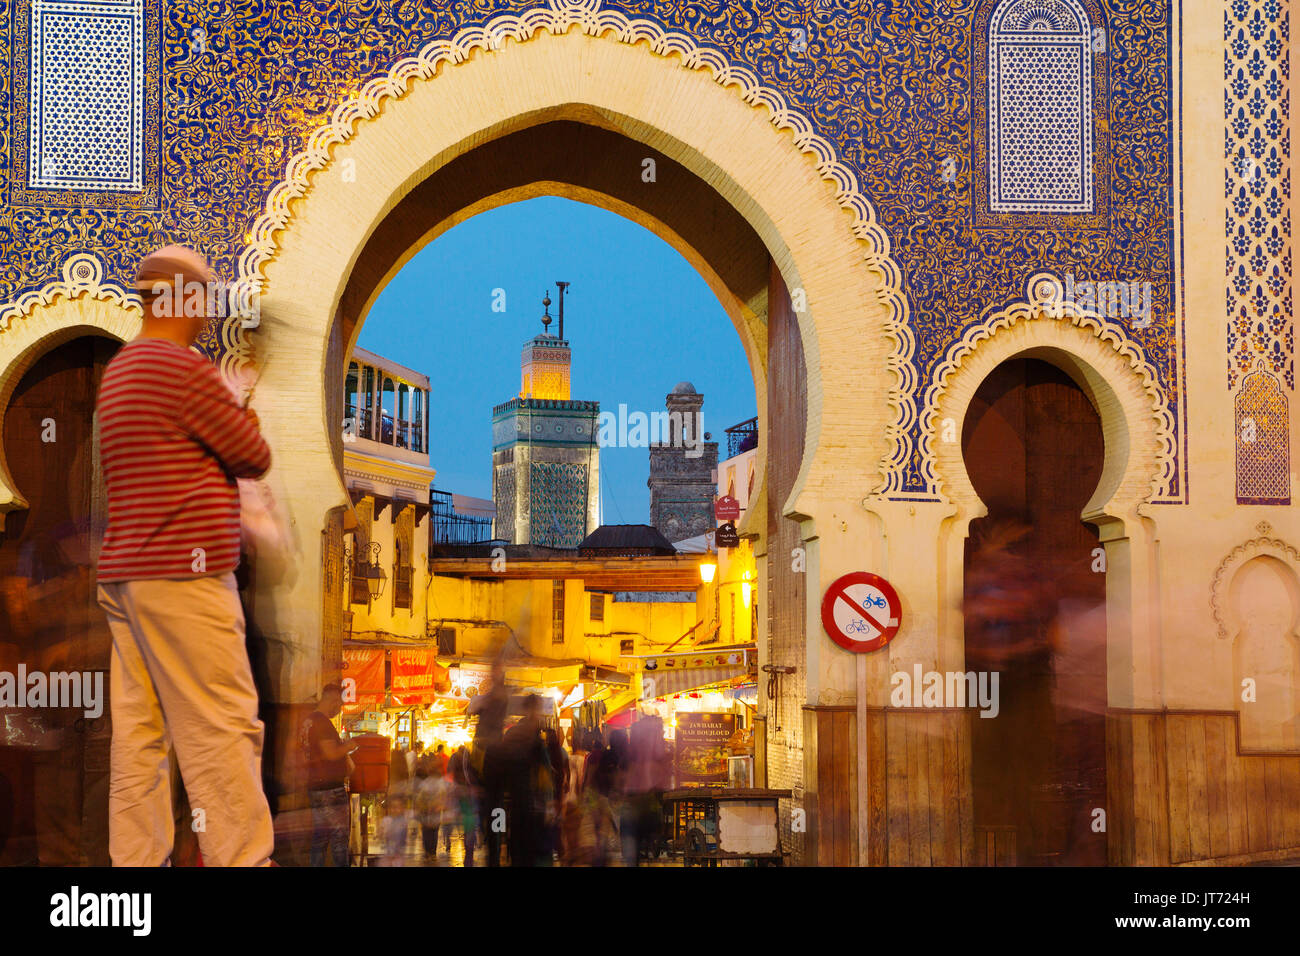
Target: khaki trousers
pixel 180 677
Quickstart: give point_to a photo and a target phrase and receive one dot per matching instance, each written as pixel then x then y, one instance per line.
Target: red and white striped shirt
pixel 172 440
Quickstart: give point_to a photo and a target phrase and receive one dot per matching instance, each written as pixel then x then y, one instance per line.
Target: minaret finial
pixel 546 317
pixel 562 286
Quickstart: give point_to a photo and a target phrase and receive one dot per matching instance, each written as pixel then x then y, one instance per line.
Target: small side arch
pixel 79 305
pixel 1122 387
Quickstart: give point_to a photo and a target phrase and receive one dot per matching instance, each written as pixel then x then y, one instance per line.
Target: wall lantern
pixel 374 575
pixel 708 568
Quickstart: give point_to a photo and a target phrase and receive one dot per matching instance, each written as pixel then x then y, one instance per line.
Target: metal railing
pixel 742 437
pixel 447 526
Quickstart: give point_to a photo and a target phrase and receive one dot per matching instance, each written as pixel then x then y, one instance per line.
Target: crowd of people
pixel 527 795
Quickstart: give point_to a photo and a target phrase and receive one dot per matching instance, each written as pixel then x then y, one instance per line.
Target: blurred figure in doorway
pixel 328 759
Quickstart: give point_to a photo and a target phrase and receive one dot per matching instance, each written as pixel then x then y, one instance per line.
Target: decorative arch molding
pixel 1263 546
pixel 559 17
pixel 81 303
pixel 1109 367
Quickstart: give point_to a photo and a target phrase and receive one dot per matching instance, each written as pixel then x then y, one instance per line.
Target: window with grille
pixel 598 607
pixel 403 572
pixel 360 588
pixel 1040 136
pixel 557 612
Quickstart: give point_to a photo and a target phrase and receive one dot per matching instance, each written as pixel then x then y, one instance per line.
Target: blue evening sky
pixel 638 318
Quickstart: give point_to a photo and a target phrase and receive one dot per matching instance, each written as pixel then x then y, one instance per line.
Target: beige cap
pixel 163 266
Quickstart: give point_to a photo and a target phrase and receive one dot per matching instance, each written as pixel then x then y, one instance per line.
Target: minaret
pixel 545 453
pixel 683 469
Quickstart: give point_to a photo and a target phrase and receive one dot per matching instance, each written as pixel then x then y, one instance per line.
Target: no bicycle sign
pixel 861 612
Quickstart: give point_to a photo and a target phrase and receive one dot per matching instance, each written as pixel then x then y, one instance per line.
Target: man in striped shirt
pixel 173 440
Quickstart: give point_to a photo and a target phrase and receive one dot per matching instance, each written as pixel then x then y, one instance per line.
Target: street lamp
pixel 374 575
pixel 708 568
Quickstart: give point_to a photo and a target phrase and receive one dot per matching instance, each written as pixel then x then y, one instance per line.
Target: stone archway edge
pixel 559 17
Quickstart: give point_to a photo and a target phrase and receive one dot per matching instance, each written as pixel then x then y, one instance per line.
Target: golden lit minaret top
pixel 544 366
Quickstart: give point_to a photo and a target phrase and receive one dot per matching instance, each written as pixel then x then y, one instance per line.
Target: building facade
pixel 387 473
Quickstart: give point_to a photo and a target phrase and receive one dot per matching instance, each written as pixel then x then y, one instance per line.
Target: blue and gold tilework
pixel 222 95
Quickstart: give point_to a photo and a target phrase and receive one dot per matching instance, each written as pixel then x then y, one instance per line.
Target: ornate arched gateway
pixel 797 165
pixel 508 123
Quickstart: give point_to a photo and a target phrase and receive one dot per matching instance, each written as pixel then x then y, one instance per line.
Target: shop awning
pixel 539 672
pixel 521 671
pixel 677 682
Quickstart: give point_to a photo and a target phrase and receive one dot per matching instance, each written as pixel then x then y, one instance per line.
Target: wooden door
pixel 1035 592
pixel 54 763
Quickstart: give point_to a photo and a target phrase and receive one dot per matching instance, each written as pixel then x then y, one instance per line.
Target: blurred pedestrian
pixel 173 442
pixel 431 798
pixel 559 760
pixel 439 761
pixel 647 777
pixel 526 769
pixel 490 708
pixel 464 801
pixel 327 758
pixel 394 828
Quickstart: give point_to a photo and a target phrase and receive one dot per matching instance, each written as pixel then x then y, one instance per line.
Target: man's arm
pixel 329 746
pixel 211 415
pixel 337 749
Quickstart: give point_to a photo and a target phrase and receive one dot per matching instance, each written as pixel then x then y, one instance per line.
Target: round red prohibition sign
pixel 861 612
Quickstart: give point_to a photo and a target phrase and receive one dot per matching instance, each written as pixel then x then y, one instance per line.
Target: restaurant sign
pixel 417 676
pixel 363 678
pixel 677 662
pixel 702 748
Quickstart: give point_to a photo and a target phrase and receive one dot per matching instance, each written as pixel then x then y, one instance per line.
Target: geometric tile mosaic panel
pixel 1040 108
pixel 1257 188
pixel 86 111
pixel 559 504
pixel 1263 440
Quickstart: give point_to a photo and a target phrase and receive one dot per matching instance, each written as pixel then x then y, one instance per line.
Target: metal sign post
pixel 861 612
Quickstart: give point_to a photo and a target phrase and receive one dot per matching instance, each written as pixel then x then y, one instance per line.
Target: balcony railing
pixel 407 434
pixel 742 437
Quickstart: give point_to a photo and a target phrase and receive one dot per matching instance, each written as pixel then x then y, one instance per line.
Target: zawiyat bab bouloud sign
pixel 861 612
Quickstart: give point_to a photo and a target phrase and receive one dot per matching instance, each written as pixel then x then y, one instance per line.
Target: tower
pixel 683 469
pixel 545 456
